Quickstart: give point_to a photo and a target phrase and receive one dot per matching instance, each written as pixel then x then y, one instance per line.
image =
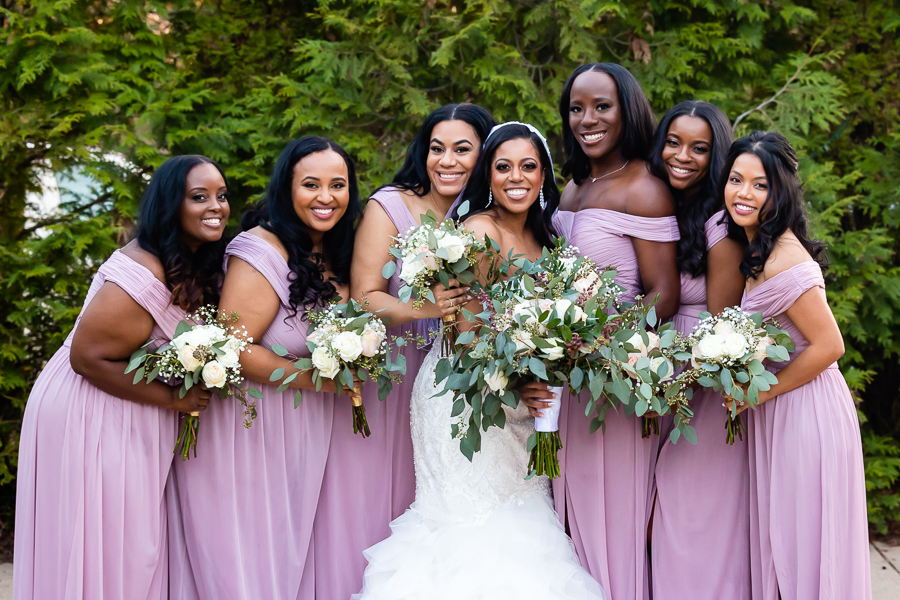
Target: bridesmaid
pixel 96 449
pixel 380 468
pixel 615 211
pixel 248 501
pixel 693 556
pixel 808 530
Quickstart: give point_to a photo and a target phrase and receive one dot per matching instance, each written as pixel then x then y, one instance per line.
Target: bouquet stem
pixel 734 425
pixel 544 460
pixel 448 339
pixel 187 439
pixel 651 426
pixel 360 424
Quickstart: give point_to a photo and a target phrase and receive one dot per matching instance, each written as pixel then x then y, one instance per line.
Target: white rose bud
pixel 670 368
pixel 711 347
pixel 327 365
pixel 735 345
pixel 214 374
pixel 371 342
pixel 696 358
pixel 653 339
pixel 348 345
pixel 637 342
pixel 187 360
pixel 230 359
pixel 454 245
pixel 557 351
pixel 523 341
pixel 723 328
pixel 760 352
pixel 497 381
pixel 410 269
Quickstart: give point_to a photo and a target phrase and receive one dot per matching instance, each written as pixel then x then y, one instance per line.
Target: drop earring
pixel 543 202
pixel 490 198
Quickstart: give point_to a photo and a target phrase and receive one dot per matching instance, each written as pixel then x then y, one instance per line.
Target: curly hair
pixel 193 278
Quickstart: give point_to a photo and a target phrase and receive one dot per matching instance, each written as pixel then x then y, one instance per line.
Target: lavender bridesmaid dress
pixel 808 529
pixel 247 503
pixel 604 491
pixel 368 482
pixel 693 555
pixel 90 500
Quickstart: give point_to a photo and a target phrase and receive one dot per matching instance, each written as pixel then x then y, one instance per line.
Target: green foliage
pixel 86 84
pixel 882 458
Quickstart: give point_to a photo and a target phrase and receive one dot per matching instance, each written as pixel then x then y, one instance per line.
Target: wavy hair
pixel 413 175
pixel 693 213
pixel 276 213
pixel 638 120
pixel 193 278
pixel 783 209
pixel 476 192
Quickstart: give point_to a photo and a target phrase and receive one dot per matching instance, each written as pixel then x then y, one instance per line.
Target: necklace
pixel 596 179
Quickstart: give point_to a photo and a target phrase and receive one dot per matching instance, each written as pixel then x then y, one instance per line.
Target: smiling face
pixel 452 154
pixel 746 192
pixel 320 191
pixel 687 152
pixel 595 114
pixel 516 176
pixel 204 210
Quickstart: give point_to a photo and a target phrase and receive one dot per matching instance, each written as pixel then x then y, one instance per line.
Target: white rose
pixel 430 260
pixel 670 368
pixel 760 352
pixel 181 341
pixel 723 328
pixel 187 360
pixel 562 305
pixel 371 342
pixel 711 347
pixel 637 342
pixel 735 345
pixel 696 358
pixel 497 381
pixel 585 284
pixel 230 359
pixel 233 344
pixel 327 365
pixel 314 336
pixel 653 339
pixel 454 245
pixel 557 351
pixel 348 345
pixel 523 341
pixel 200 336
pixel 410 269
pixel 214 374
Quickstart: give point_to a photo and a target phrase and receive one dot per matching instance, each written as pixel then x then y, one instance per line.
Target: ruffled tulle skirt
pixel 519 552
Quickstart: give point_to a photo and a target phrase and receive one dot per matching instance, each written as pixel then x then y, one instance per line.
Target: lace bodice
pixel 448 486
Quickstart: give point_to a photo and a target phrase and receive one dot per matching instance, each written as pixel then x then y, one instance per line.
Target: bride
pixel 480 530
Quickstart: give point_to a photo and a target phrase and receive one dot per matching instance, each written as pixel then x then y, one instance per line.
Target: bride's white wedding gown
pixel 476 530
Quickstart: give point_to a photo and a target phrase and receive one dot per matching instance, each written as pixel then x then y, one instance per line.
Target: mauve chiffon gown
pixel 808 529
pixel 90 499
pixel 369 482
pixel 701 524
pixel 604 492
pixel 243 509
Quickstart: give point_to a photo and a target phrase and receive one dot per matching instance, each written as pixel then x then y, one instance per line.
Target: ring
pixel 451 302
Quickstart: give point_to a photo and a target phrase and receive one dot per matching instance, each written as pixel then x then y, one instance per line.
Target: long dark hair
pixel 783 208
pixel 413 175
pixel 476 193
pixel 638 120
pixel 694 212
pixel 276 213
pixel 192 277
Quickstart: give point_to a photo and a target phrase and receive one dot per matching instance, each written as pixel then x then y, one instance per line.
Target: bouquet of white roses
pixel 542 324
pixel 349 346
pixel 434 252
pixel 728 350
pixel 206 350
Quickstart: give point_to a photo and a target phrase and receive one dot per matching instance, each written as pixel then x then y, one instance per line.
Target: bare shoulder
pixel 482 225
pixel 648 195
pixel 270 238
pixel 146 259
pixel 567 200
pixel 787 253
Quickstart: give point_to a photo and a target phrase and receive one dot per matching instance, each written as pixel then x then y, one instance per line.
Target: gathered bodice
pixel 143 287
pixel 605 236
pixel 774 296
pixel 693 289
pixel 448 486
pixel 287 329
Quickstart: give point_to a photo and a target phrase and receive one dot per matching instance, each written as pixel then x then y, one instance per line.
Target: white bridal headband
pixel 531 128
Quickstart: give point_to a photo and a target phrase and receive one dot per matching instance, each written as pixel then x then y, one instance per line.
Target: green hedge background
pixel 109 89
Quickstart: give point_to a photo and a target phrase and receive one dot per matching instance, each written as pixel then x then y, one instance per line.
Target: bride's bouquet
pixel 434 252
pixel 205 350
pixel 349 346
pixel 541 324
pixel 727 352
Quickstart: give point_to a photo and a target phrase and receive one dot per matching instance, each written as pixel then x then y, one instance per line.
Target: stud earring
pixel 543 202
pixel 490 198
